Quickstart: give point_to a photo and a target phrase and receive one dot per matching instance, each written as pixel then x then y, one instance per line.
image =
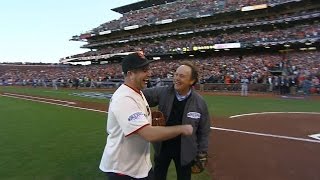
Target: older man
pixel 180 105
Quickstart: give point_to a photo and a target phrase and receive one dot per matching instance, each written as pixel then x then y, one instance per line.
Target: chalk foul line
pixel 267 135
pixel 43 101
pixel 35 97
pixel 261 113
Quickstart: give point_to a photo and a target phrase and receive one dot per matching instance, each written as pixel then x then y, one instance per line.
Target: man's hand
pixel 186 130
pixel 199 163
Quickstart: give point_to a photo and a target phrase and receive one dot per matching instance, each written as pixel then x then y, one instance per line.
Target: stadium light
pixel 123 41
pixel 186 32
pixel 131 27
pixel 105 32
pixel 308 43
pixel 255 7
pixel 156 58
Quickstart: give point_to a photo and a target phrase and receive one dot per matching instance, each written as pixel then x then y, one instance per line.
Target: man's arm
pixel 152 95
pixel 161 133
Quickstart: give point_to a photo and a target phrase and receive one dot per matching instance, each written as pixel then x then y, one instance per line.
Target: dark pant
pixel 116 176
pixel 162 162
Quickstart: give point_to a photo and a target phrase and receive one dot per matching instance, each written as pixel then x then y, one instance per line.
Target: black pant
pixel 162 162
pixel 116 176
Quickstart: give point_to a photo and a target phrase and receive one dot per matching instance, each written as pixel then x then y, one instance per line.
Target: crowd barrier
pixel 206 87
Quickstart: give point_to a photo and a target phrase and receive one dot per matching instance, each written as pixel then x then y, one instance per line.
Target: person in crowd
pixel 244 85
pixel 54 84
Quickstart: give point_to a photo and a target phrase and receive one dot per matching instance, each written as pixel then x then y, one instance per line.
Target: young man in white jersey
pixel 127 153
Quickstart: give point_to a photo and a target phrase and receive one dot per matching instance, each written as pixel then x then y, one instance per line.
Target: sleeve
pixel 129 116
pixel 204 129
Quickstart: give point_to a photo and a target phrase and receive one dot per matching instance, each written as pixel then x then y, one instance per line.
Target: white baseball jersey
pixel 126 152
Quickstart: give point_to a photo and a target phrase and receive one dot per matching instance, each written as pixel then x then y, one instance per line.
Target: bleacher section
pixel 269 41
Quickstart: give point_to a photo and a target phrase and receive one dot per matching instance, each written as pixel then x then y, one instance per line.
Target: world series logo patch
pixel 136 116
pixel 194 115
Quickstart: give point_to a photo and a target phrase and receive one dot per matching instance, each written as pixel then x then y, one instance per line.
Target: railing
pixel 231 87
pixel 207 87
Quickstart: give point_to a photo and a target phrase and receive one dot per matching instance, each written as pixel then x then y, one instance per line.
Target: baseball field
pixel 60 134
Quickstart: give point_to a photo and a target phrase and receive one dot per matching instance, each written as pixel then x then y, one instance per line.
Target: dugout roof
pixel 140 5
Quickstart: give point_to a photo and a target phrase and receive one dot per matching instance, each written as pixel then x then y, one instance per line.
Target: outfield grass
pixel 42 141
pixel 225 106
pixel 61 93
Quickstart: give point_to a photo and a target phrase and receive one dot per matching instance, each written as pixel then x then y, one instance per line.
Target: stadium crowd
pixel 302 32
pixel 165 42
pixel 178 10
pixel 248 22
pixel 297 67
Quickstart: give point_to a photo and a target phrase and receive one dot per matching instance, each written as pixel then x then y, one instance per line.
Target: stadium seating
pixel 275 40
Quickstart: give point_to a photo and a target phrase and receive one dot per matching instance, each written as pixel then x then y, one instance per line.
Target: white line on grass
pixel 251 114
pixel 266 135
pixel 35 97
pixel 55 103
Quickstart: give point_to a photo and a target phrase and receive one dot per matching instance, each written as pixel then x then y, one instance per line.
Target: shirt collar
pixel 134 89
pixel 180 97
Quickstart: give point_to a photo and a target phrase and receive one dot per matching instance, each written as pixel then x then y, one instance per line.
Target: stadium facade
pixel 274 43
pixel 180 29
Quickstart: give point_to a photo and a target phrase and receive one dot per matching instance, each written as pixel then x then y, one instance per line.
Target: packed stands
pixel 279 27
pixel 180 9
pixel 225 69
pixel 275 43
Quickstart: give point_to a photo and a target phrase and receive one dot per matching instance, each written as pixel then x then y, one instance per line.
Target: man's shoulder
pixel 124 92
pixel 197 96
pixel 158 89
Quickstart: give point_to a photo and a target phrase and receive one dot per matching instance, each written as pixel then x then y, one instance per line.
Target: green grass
pixel 49 92
pixel 42 141
pixel 225 106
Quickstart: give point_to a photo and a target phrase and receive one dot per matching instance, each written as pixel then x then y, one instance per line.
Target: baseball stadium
pixel 259 72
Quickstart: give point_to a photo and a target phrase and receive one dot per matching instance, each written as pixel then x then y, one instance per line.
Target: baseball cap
pixel 134 61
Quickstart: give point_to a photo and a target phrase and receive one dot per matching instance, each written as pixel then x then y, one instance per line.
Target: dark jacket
pixel 190 145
